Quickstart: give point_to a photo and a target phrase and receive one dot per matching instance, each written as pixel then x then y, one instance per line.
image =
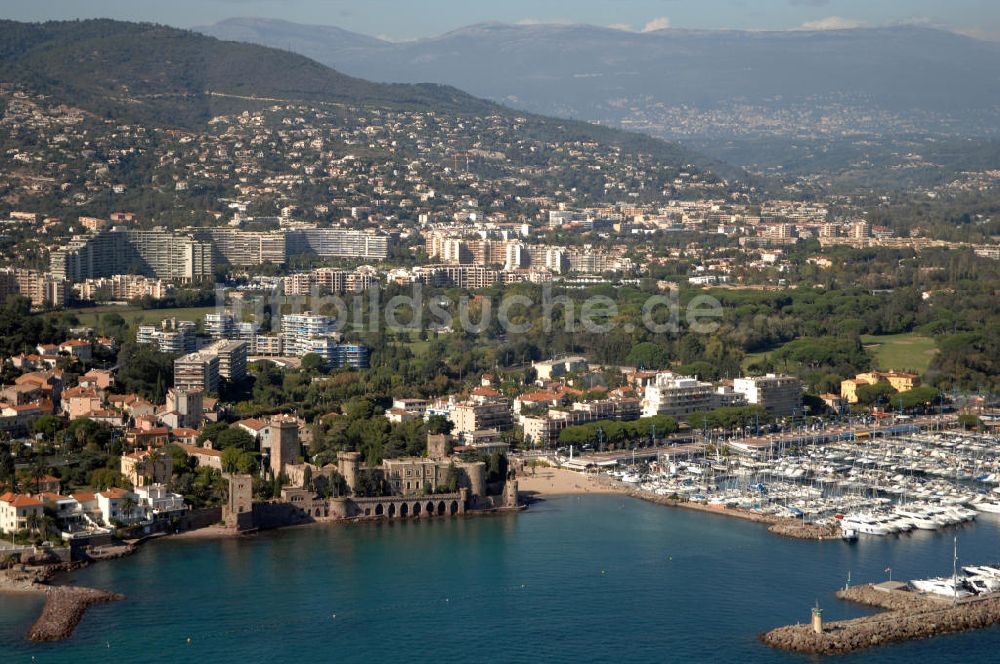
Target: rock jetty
pixel 907 616
pixel 64 608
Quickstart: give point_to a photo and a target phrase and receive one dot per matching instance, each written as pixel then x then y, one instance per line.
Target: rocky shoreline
pixel 907 616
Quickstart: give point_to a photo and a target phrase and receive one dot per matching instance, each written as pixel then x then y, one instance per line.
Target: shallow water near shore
pixel 573 579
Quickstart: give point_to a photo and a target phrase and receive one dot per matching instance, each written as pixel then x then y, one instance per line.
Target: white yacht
pixel 983 585
pixel 982 570
pixel 986 505
pixel 918 518
pixel 942 586
pixel 864 523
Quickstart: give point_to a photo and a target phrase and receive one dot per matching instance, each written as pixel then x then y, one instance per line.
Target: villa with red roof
pixel 16 510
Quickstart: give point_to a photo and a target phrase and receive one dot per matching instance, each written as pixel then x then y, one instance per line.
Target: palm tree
pixel 38 471
pixel 128 506
pixel 34 522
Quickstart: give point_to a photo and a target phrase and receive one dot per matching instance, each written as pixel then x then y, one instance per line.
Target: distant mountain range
pixel 850 103
pixel 602 74
pixel 178 78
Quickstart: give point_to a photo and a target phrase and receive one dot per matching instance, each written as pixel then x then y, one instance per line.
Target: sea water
pixel 573 579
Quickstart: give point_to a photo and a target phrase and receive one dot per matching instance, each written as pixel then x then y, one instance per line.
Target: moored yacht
pixel 942 586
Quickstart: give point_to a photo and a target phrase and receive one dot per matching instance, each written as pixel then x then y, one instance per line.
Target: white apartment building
pixel 299 331
pixel 199 371
pixel 172 336
pixel 670 394
pixel 781 396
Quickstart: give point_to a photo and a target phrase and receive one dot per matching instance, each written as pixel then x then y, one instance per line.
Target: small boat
pixel 849 535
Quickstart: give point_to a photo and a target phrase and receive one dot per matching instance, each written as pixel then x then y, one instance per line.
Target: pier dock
pixel 907 616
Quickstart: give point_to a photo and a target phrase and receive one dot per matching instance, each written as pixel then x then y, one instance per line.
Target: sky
pixel 411 19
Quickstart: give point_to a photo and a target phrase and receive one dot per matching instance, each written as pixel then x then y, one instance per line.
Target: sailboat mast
pixel 954 572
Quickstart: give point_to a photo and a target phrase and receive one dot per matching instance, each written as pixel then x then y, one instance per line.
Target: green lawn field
pixel 90 316
pixel 901 352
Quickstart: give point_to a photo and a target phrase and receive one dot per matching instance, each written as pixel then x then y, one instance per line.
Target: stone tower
pixel 347 465
pixel 510 491
pixel 438 446
pixel 238 511
pixel 285 448
pixel 475 478
pixel 188 403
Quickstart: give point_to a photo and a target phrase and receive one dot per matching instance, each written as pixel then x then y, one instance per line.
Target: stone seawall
pixel 907 616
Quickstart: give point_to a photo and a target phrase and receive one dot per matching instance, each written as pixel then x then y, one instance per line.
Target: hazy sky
pixel 405 19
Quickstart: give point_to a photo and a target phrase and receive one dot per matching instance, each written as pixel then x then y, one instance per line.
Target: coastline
pixel 66 604
pixel 551 482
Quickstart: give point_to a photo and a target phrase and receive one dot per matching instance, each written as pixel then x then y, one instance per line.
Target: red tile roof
pixel 20 500
pixel 114 493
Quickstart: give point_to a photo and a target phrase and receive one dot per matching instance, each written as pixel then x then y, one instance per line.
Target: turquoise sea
pixel 574 579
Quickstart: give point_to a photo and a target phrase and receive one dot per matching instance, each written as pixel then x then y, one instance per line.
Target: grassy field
pixel 90 316
pixel 751 358
pixel 901 351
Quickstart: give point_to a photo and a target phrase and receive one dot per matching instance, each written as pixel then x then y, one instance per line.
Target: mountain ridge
pixel 153 73
pixel 899 68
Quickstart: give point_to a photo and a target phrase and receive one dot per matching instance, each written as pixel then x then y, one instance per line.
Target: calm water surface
pixel 575 579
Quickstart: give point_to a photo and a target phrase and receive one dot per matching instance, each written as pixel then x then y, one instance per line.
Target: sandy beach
pixel 211 532
pixel 559 482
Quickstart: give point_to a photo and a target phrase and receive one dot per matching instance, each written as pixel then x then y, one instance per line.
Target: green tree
pixel 648 355
pixel 881 392
pixel 48 426
pixel 438 424
pixel 105 478
pixel 234 437
pixel 312 362
pixel 6 465
pixel 128 506
pixel 969 421
pixel 237 460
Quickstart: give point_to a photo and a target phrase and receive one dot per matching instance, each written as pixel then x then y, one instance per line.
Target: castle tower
pixel 475 478
pixel 438 446
pixel 347 465
pixel 238 511
pixel 510 492
pixel 188 403
pixel 285 448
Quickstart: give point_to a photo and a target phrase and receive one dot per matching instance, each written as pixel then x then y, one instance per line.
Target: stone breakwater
pixel 907 616
pixel 64 605
pixel 785 527
pixel 64 609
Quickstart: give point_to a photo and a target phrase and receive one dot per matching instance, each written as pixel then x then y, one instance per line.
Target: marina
pixel 891 484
